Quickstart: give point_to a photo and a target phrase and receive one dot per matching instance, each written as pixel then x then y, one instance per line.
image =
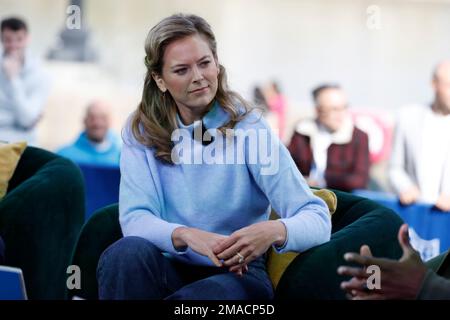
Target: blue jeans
pixel 134 268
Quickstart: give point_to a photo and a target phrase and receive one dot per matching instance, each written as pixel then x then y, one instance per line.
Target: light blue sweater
pixel 156 198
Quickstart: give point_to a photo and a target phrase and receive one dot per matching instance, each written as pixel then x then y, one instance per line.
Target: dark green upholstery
pixel 357 221
pixel 101 230
pixel 312 275
pixel 40 219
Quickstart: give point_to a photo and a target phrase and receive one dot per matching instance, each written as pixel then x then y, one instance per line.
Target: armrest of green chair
pixel 40 218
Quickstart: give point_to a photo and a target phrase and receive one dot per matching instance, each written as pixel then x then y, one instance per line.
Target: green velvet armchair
pixel 311 275
pixel 40 219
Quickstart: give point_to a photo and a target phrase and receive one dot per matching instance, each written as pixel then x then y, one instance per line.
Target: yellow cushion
pixel 329 197
pixel 9 157
pixel 278 262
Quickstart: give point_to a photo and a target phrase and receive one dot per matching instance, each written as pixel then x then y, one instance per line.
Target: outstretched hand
pixel 400 279
pixel 203 242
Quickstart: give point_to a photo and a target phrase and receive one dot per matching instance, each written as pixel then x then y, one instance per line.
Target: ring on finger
pixel 241 257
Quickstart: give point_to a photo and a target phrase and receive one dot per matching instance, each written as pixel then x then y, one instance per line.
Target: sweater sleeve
pixel 140 210
pixel 305 216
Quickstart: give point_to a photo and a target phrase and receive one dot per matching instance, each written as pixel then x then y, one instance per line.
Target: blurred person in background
pixel 24 86
pixel 419 169
pixel 277 104
pixel 2 251
pixel 329 150
pixel 200 230
pixel 97 144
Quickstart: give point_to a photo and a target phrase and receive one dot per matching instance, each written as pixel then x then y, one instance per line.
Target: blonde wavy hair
pixel 155 118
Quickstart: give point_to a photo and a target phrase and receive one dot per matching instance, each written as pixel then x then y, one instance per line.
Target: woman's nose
pixel 197 75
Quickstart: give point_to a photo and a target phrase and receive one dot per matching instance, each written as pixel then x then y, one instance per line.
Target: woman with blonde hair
pixel 194 197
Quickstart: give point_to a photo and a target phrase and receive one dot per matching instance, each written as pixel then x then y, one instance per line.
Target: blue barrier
pixel 429 228
pixel 102 186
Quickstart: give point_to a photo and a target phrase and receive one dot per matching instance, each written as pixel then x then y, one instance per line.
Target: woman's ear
pixel 159 82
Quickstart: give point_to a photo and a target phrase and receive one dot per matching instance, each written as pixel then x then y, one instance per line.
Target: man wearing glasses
pixel 329 150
